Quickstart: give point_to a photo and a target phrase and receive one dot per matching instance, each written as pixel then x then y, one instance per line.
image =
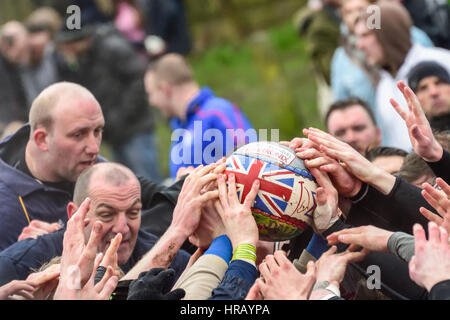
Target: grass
pixel 268 75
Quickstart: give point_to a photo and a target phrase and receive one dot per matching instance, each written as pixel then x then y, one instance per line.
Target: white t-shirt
pixel 395 133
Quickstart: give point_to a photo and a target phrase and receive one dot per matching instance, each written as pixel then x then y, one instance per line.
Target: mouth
pixel 87 163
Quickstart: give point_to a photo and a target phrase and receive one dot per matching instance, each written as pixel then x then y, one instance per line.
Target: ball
pixel 285 203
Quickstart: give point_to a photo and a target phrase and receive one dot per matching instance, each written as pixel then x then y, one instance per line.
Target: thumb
pixel 176 294
pixel 321 196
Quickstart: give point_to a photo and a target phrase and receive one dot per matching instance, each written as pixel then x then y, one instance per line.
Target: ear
pixel 166 88
pixel 40 137
pixel 71 209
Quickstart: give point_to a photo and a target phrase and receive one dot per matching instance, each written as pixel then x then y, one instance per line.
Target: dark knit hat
pixel 426 69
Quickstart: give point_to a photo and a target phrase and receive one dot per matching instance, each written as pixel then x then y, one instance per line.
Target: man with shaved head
pixel 40 163
pixel 108 193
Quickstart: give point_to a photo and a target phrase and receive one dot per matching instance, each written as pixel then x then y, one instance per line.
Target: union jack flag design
pixel 283 193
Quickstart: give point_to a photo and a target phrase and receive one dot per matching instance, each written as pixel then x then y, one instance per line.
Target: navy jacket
pixel 40 201
pixel 20 259
pixel 46 203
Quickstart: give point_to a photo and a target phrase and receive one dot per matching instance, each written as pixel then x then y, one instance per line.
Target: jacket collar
pixel 18 181
pixel 204 94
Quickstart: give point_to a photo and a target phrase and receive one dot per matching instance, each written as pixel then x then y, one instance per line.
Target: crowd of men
pixel 77 226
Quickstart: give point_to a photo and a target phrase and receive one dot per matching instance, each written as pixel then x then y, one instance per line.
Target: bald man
pixel 115 202
pixel 40 163
pixel 205 126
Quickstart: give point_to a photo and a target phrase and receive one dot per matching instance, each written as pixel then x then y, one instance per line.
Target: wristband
pixel 246 252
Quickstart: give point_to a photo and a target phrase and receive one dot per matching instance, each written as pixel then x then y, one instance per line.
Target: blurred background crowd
pixel 284 56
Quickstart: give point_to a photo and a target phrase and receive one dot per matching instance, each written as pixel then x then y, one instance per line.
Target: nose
pixel 434 90
pixel 93 144
pixel 350 136
pixel 121 225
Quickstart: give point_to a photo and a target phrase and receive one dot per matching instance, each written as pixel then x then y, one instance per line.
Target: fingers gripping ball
pixel 285 203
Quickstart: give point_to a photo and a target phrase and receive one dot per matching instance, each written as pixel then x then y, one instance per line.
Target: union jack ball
pixel 286 201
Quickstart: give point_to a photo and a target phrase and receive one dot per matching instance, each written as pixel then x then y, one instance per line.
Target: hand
pixel 187 212
pixel 155 285
pixel 280 280
pixel 79 261
pixel 183 171
pixel 236 217
pixel 438 200
pixel 76 254
pixel 90 290
pixel 419 130
pixel 431 261
pixel 299 143
pixel 368 237
pixel 346 184
pixel 16 289
pixel 110 258
pixel 354 162
pixel 325 214
pixel 45 282
pixel 38 228
pixel 331 267
pixel 209 228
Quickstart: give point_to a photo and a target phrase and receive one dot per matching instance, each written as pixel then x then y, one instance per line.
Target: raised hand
pixel 419 130
pixel 438 199
pixel 280 280
pixel 431 261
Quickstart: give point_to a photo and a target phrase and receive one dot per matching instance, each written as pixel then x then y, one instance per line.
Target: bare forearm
pixel 161 255
pixel 382 181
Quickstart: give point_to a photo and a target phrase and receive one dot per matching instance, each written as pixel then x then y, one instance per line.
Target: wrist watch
pixel 325 285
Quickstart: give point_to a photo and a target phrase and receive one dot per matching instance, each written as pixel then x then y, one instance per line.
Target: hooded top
pixel 394 34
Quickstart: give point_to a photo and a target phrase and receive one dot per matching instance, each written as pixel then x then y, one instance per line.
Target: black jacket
pixel 12 95
pixel 113 71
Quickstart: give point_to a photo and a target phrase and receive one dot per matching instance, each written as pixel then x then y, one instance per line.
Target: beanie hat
pixel 426 69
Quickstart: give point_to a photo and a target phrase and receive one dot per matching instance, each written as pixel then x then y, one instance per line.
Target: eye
pixel 98 131
pixel 105 216
pixel 359 128
pixel 134 214
pixel 339 133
